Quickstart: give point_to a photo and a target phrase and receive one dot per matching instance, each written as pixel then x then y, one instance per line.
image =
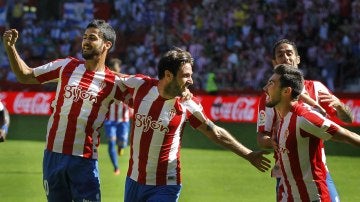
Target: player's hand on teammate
pixel 186 95
pixel 259 161
pixel 10 37
pixel 329 98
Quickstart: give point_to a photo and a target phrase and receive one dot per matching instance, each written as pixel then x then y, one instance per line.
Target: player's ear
pixel 108 45
pixel 168 75
pixel 287 90
pixel 298 59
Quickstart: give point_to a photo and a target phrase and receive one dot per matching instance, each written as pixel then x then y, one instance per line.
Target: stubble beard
pixel 173 89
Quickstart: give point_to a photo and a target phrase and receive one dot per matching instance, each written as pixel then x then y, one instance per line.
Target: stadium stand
pixel 233 39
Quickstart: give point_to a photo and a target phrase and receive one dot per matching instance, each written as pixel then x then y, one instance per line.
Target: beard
pixel 173 89
pixel 272 103
pixel 90 54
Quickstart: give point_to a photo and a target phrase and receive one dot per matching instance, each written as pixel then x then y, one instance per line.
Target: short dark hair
pixel 173 60
pixel 290 77
pixel 281 41
pixel 108 32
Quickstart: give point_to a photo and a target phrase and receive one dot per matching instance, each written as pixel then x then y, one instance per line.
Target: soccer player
pixel 299 138
pixel 117 124
pixel 84 92
pixel 314 94
pixel 157 129
pixel 4 122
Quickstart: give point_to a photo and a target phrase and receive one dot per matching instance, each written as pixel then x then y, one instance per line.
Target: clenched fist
pixel 10 37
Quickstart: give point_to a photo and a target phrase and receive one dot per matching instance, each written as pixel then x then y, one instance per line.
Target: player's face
pixel 273 91
pixel 285 54
pixel 92 44
pixel 181 81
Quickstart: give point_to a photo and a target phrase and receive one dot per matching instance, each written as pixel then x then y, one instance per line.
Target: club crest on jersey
pixel 102 85
pixel 147 123
pixel 172 113
pixel 261 118
pixel 77 93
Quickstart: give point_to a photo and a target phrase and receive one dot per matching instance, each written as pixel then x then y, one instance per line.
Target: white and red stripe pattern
pixel 300 139
pixel 119 112
pixel 313 88
pixel 81 103
pixel 267 116
pixel 156 133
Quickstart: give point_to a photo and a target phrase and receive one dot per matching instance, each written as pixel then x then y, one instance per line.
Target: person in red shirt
pixel 298 138
pixel 85 90
pixel 154 172
pixel 315 94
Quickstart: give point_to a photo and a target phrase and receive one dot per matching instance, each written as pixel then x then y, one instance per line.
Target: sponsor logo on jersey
pixel 77 93
pixel 147 123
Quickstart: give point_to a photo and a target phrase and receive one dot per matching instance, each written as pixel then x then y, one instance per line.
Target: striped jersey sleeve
pixel 80 106
pixel 157 129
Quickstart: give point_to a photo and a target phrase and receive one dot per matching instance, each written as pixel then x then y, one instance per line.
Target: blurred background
pixel 231 41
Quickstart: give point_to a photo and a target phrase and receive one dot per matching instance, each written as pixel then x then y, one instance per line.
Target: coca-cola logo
pixel 39 103
pixel 242 109
pixel 355 109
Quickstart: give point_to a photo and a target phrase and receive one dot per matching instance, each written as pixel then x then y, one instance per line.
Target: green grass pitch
pixel 209 173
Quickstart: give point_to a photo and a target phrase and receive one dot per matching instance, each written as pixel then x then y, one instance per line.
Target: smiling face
pixel 180 82
pixel 93 45
pixel 286 54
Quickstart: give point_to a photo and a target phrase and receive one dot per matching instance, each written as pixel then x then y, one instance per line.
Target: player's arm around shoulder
pixel 224 138
pixel 346 136
pixel 23 72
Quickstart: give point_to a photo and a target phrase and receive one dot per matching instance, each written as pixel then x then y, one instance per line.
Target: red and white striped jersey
pixel 268 120
pixel 157 130
pixel 80 106
pixel 119 112
pixel 267 116
pixel 300 140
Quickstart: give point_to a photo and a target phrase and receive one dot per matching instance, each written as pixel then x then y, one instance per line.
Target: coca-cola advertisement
pixel 31 103
pixel 244 108
pixel 217 108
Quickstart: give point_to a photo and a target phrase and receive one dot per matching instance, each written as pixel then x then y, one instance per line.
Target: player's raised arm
pixel 23 72
pixel 224 138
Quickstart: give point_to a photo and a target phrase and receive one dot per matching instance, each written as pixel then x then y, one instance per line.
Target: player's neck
pixel 162 92
pixel 95 65
pixel 283 108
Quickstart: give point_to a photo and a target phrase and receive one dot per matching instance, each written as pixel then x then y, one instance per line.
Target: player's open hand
pixel 258 160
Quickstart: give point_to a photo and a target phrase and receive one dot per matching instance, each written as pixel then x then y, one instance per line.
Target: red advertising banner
pixel 217 108
pixel 31 103
pixel 244 108
pixel 231 108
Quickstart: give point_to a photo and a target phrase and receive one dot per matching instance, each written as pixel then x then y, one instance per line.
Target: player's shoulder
pixel 193 104
pixel 314 83
pixel 307 114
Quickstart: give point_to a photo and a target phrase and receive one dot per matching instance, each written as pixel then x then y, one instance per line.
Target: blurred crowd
pixel 230 39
